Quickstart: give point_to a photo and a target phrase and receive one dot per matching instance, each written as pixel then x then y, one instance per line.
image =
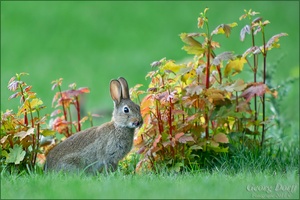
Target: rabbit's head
pixel 126 113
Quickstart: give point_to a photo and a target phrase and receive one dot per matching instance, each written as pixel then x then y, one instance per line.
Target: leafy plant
pixel 258 25
pixel 21 131
pixel 64 99
pixel 25 134
pixel 199 106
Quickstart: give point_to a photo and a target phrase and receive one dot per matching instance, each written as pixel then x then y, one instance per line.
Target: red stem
pixel 64 110
pixel 207 86
pixel 78 113
pixel 25 113
pixel 160 128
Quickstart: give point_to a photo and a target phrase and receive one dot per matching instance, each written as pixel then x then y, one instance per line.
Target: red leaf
pixel 84 90
pixel 28 88
pixel 186 138
pixel 156 141
pixel 256 89
pixel 178 136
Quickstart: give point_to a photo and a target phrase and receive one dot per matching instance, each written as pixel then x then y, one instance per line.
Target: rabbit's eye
pixel 126 109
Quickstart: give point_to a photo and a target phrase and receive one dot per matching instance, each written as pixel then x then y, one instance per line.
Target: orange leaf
pixel 146 104
pixel 221 138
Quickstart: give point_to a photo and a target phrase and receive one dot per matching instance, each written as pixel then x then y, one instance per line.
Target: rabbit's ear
pixel 115 91
pixel 125 90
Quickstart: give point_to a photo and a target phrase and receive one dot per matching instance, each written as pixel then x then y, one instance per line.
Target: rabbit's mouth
pixel 135 124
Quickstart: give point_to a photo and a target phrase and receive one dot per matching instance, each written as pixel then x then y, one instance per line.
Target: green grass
pixel 239 175
pixel 145 186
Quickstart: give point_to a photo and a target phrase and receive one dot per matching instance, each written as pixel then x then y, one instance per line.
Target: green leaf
pixel 48 132
pixel 194 47
pixel 15 155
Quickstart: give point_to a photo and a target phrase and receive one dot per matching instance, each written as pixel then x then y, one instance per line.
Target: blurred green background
pixel 92 42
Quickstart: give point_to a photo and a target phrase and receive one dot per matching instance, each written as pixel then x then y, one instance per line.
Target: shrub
pixel 200 107
pixel 25 136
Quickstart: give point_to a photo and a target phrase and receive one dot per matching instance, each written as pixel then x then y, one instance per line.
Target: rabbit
pixel 100 147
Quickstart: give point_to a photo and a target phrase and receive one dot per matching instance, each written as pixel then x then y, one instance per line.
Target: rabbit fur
pixel 102 147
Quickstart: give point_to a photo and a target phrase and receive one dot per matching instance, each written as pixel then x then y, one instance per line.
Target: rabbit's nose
pixel 136 123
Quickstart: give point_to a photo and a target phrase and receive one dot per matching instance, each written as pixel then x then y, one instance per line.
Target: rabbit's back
pixel 77 150
pixel 91 149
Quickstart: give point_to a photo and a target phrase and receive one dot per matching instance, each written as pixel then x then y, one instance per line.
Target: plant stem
pixel 264 81
pixel 77 105
pixel 160 128
pixel 38 136
pixel 237 110
pixel 207 86
pixel 255 80
pixel 64 110
pixel 25 113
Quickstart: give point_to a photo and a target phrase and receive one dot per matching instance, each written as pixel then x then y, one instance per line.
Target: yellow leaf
pixel 200 22
pixel 189 76
pixel 35 103
pixel 234 24
pixel 170 65
pixel 237 65
pixel 224 29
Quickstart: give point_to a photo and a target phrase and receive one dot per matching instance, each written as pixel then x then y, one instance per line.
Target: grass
pixel 146 186
pixel 239 175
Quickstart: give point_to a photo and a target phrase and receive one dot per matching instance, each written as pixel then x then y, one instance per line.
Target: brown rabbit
pixel 100 147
